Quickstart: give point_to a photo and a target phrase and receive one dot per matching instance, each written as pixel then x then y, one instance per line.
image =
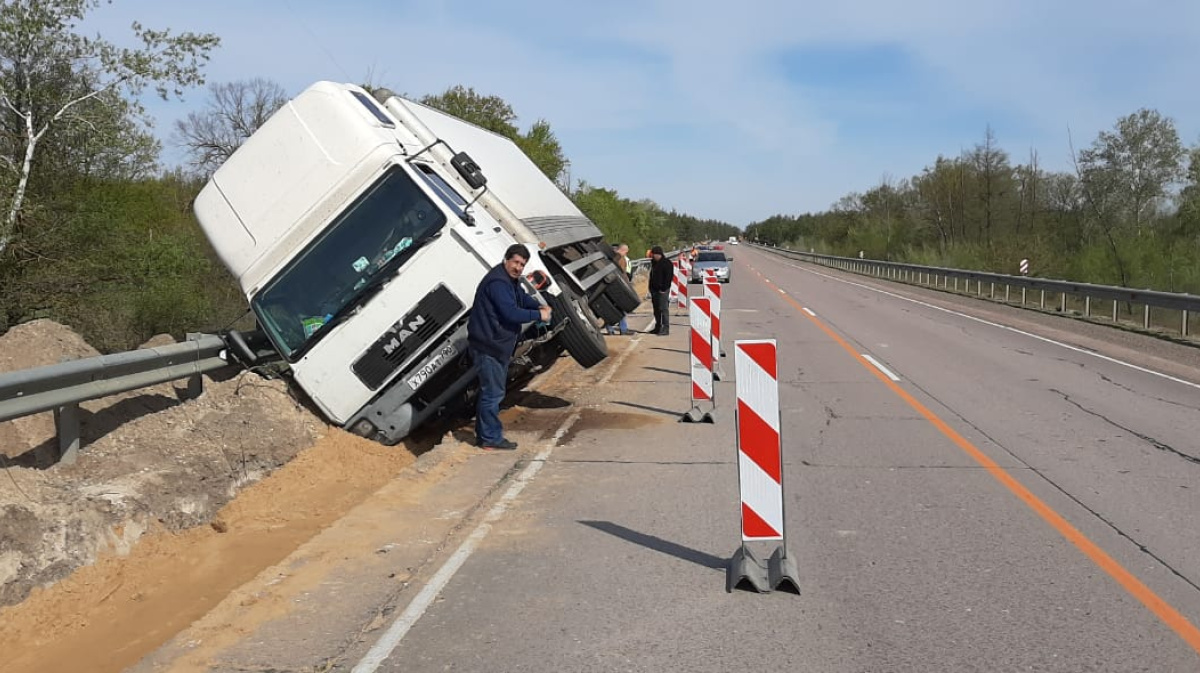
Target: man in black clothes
pixel 662 276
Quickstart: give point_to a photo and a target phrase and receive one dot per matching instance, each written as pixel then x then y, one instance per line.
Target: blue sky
pixel 734 111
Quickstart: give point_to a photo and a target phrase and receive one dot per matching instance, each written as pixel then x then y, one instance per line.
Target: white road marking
pixel 878 365
pixel 810 312
pixel 390 640
pixel 1003 327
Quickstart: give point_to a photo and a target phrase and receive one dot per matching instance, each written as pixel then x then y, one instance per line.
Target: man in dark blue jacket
pixel 501 308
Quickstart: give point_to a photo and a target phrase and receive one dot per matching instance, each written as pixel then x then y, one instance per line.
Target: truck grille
pixel 406 337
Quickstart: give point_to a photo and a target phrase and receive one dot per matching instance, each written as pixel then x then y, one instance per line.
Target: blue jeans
pixel 493 383
pixel 623 327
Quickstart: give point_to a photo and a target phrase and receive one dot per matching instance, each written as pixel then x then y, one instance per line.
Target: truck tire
pixel 581 337
pixel 622 295
pixel 604 309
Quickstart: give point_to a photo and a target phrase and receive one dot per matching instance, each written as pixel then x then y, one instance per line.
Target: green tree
pixel 495 114
pixel 490 112
pixel 994 177
pixel 52 78
pixel 543 148
pixel 1128 170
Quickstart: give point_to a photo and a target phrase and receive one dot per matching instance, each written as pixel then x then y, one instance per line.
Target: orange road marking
pixel 1161 609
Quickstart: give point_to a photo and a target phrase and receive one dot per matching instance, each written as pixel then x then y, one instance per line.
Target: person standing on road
pixel 622 261
pixel 501 308
pixel 662 275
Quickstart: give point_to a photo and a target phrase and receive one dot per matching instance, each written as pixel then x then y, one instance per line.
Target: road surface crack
pixel 1145 438
pixel 1160 399
pixel 1100 517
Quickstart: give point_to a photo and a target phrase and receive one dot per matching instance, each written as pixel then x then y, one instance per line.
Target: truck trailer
pixel 358 227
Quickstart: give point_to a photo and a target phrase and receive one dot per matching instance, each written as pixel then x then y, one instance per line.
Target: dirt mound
pixel 150 461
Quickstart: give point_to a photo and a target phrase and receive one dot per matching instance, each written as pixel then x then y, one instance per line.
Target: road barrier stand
pixel 679 286
pixel 760 471
pixel 714 295
pixel 700 353
pixel 712 292
pixel 674 296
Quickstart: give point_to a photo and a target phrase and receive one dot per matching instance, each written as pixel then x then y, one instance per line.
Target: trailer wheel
pixel 622 295
pixel 604 309
pixel 581 337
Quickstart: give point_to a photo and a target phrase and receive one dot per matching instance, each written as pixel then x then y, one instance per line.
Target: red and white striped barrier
pixel 700 354
pixel 712 290
pixel 760 468
pixel 680 287
pixel 760 460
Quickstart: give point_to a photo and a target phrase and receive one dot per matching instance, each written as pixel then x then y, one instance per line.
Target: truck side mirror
pixel 469 170
pixel 240 348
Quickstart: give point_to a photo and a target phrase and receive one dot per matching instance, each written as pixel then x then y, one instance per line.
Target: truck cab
pixel 359 247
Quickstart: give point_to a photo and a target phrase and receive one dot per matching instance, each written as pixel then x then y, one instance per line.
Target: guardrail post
pixel 1043 302
pixel 1184 329
pixel 967 289
pixel 66 424
pixel 1063 307
pixel 195 383
pixel 993 295
pixel 1087 307
pixel 1114 310
pixel 1023 296
pixel 956 283
pixel 1006 293
pixel 1146 318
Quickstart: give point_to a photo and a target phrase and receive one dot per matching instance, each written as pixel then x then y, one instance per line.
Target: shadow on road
pixel 657 410
pixel 659 545
pixel 669 350
pixel 667 371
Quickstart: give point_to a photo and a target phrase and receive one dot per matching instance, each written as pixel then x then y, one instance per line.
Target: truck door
pixel 481 233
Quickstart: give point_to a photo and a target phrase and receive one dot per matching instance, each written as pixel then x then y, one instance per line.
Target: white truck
pixel 358 230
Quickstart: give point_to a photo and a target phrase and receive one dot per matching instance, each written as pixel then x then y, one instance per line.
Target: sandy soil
pixel 149 463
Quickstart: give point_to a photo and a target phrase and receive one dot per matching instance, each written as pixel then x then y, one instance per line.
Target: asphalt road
pixel 1009 504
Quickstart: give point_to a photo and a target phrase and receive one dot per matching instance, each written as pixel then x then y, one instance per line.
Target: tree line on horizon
pixel 1128 214
pixel 96 233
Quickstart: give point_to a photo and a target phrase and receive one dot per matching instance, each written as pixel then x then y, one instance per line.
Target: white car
pixel 711 259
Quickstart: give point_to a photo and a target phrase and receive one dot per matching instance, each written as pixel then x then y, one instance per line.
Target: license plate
pixel 435 363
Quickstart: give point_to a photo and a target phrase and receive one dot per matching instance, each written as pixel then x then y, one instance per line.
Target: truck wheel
pixel 581 337
pixel 622 295
pixel 605 310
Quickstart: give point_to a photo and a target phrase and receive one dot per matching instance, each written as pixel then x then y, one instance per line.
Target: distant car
pixel 711 260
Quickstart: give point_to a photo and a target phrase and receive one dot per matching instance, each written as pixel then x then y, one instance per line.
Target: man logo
pixel 404 333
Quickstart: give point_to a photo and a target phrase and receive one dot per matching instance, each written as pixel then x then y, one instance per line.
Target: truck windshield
pixel 355 255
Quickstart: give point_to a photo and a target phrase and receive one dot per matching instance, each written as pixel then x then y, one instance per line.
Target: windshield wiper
pixel 382 277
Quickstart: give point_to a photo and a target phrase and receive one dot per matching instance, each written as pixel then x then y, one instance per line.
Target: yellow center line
pixel 1161 609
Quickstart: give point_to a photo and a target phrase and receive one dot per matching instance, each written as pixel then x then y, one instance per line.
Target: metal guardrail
pixel 643 263
pixel 1187 304
pixel 61 387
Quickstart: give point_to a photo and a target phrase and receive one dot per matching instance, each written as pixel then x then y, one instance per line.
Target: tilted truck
pixel 358 230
